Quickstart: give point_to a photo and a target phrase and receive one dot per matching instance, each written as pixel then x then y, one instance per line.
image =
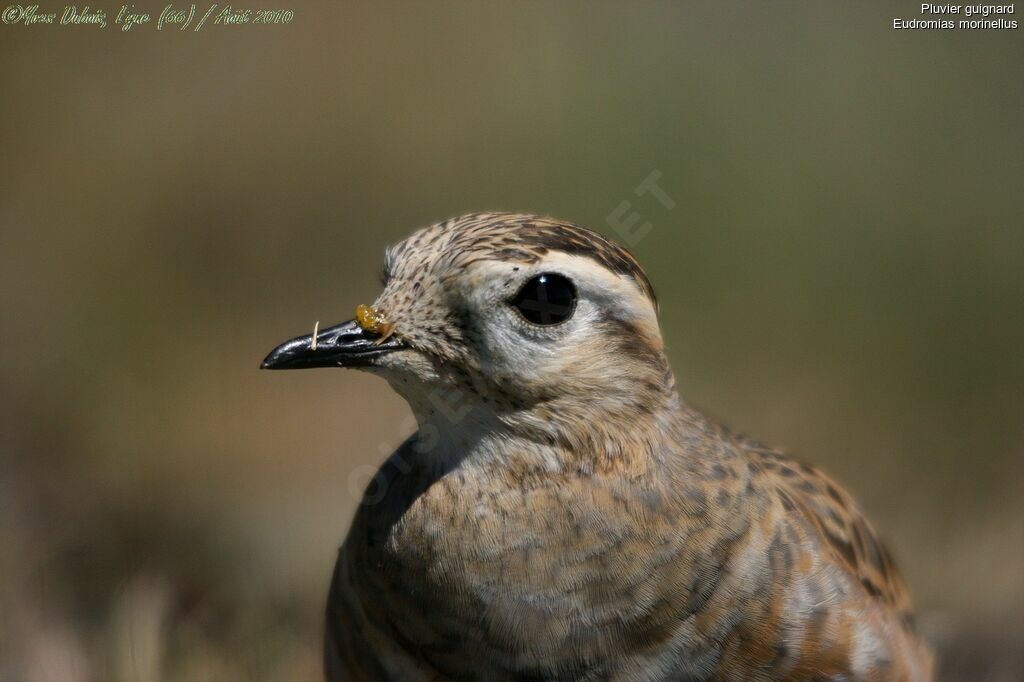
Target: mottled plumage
pixel 561 514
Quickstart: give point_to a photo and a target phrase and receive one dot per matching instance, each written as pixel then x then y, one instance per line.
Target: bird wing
pixel 840 526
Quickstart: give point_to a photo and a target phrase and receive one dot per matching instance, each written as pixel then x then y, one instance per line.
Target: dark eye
pixel 546 299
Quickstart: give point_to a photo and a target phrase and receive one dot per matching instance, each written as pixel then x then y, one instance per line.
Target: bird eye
pixel 546 299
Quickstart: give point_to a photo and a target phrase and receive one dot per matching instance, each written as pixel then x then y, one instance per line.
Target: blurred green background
pixel 841 275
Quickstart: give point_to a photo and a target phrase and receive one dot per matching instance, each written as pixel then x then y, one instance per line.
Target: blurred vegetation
pixel 841 275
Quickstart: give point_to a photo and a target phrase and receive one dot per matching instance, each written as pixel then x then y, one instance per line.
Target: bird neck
pixel 610 432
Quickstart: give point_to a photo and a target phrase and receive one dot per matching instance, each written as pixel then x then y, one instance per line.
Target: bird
pixel 560 513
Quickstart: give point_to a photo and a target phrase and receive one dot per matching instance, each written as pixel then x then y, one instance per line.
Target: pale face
pixel 558 325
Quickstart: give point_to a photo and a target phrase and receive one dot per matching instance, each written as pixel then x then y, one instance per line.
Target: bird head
pixel 534 321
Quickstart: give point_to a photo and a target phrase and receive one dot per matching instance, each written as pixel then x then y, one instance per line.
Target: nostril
pixel 354 336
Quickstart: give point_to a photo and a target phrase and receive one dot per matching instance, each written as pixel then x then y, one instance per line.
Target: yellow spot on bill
pixel 372 320
pixel 368 318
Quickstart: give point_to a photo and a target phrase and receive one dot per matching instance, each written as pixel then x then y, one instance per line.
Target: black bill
pixel 343 345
